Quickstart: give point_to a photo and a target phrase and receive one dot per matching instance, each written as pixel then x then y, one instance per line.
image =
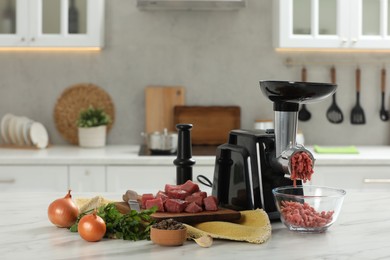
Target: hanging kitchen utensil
pixel 384 114
pixel 357 113
pixel 334 113
pixel 304 114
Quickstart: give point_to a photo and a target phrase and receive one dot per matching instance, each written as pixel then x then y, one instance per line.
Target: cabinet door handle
pixel 367 180
pixel 354 40
pixel 7 181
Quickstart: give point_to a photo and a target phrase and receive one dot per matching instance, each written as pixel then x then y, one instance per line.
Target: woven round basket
pixel 77 98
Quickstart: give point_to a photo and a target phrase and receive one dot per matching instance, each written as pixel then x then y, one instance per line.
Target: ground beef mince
pixel 303 215
pixel 301 167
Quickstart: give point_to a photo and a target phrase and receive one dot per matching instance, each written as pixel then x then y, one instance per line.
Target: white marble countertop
pixel 128 155
pixel 361 232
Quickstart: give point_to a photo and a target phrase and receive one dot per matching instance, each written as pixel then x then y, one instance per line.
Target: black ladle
pixel 334 113
pixel 303 113
pixel 384 114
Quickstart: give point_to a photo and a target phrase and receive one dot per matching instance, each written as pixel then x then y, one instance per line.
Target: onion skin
pixel 63 212
pixel 91 227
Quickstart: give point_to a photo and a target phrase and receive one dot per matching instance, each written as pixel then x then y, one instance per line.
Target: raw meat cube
pixel 210 203
pixel 190 186
pixel 162 195
pixel 155 202
pixel 145 197
pixel 175 205
pixel 202 194
pixel 169 187
pixel 177 194
pixel 197 199
pixel 193 208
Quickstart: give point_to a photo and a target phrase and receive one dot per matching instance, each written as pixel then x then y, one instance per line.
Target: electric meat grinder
pixel 253 162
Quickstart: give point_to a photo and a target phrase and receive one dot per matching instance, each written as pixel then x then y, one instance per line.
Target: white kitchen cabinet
pixel 148 177
pixel 332 24
pixel 47 23
pixel 33 178
pixel 87 178
pixel 352 177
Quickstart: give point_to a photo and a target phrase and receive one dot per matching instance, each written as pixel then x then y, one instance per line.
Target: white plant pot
pixel 92 137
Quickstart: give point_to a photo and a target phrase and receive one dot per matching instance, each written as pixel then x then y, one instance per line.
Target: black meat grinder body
pixel 254 162
pixel 244 176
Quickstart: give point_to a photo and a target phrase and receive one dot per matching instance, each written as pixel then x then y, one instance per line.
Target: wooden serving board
pixel 184 217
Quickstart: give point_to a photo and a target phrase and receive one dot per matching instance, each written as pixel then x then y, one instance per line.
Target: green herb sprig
pixel 130 226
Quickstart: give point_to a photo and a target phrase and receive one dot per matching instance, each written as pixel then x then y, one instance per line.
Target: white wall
pixel 218 56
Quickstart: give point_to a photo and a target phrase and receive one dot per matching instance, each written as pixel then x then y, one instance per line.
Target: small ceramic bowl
pixel 166 237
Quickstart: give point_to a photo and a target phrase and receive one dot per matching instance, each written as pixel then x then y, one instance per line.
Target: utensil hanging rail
pixel 335 61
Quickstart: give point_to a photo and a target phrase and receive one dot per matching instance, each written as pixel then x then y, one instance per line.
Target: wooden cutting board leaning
pixel 159 104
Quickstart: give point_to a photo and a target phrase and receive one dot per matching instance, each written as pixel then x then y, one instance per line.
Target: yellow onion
pixel 91 227
pixel 63 212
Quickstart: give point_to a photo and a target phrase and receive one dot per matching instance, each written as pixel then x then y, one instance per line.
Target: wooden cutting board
pixel 184 217
pixel 211 124
pixel 159 104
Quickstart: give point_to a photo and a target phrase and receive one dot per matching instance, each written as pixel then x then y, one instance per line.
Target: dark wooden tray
pixel 211 124
pixel 184 217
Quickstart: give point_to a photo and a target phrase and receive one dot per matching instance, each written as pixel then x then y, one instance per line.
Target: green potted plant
pixel 92 127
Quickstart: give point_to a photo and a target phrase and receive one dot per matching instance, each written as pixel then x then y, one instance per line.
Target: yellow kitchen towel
pixel 254 227
pixel 336 150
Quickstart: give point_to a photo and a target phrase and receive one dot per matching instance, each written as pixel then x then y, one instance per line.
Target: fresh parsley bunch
pixel 130 226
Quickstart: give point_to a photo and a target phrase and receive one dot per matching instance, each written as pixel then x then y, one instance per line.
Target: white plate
pixel 11 130
pixel 39 135
pixel 26 130
pixel 19 131
pixel 4 128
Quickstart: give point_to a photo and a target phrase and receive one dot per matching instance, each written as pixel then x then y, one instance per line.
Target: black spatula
pixel 384 114
pixel 357 113
pixel 334 113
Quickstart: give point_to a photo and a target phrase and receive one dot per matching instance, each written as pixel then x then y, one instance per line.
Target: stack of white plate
pixel 22 131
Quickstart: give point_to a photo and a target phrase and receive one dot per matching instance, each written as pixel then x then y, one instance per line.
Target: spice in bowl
pixel 168 232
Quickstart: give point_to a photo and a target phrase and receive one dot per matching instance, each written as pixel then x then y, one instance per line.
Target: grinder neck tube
pixel 286 126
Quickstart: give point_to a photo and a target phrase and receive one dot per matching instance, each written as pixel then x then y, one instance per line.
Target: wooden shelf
pixel 191 5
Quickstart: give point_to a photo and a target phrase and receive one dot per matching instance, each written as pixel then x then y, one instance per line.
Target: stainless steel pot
pixel 161 142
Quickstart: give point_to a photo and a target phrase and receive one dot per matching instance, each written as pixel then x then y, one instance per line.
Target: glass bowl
pixel 308 209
